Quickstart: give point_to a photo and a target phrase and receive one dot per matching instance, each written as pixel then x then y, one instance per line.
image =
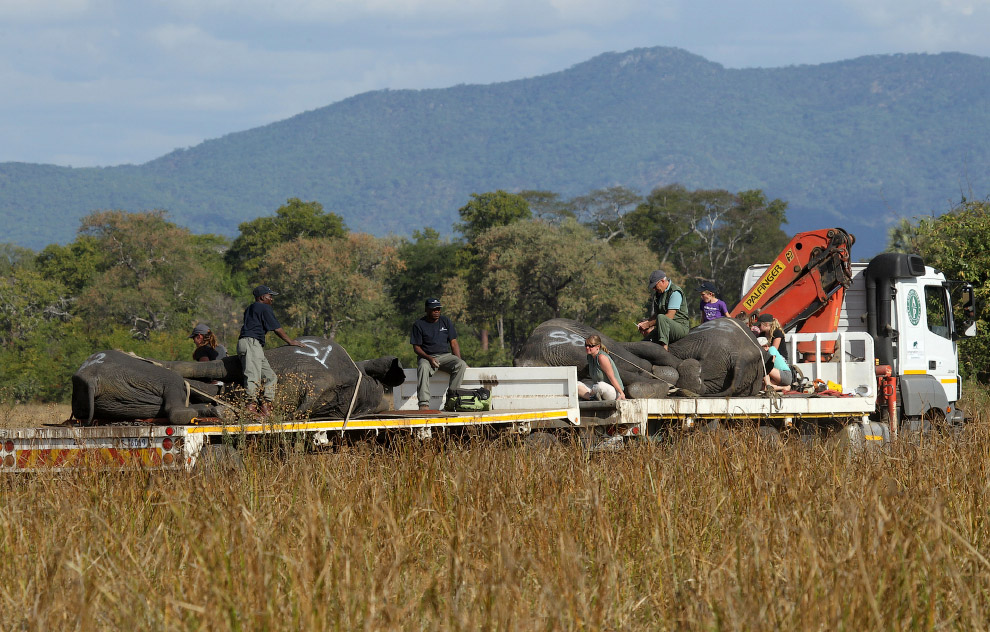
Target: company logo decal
pixel 764 283
pixel 913 307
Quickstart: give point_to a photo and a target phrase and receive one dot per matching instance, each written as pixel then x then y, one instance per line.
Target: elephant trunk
pixel 84 397
pixel 227 369
pixel 386 369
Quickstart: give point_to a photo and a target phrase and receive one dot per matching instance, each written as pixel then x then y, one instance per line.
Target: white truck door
pixel 925 344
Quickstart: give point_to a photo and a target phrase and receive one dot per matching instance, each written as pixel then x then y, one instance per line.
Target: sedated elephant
pixel 116 386
pixel 317 380
pixel 560 342
pixel 717 358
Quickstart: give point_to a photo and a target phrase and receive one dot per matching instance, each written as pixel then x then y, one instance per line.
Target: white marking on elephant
pixel 315 350
pixel 562 337
pixel 96 358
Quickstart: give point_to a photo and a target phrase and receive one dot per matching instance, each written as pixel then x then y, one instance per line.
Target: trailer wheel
pixel 768 434
pixel 541 441
pixel 219 458
pixel 850 439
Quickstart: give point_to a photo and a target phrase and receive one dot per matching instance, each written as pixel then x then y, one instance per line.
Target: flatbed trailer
pixel 524 400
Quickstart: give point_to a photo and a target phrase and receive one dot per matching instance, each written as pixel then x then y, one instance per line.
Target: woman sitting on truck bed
pixel 604 382
pixel 779 377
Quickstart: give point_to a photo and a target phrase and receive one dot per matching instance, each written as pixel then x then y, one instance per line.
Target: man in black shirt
pixel 259 319
pixel 433 339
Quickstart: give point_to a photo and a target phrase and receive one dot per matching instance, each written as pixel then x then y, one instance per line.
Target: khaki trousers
pixel 256 369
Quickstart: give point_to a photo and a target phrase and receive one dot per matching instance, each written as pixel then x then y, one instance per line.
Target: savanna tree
pixel 326 283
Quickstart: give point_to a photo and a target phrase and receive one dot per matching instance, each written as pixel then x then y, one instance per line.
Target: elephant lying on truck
pixel 717 358
pixel 317 380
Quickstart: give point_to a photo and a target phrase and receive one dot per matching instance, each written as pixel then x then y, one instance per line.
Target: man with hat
pixel 434 340
pixel 259 319
pixel 668 320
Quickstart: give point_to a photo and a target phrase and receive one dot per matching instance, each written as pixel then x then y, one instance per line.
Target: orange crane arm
pixel 804 286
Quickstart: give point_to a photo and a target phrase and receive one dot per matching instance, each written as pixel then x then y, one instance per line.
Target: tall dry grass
pixel 713 531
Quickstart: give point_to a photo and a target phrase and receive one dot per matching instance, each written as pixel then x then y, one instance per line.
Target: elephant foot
pixel 181 416
pixel 689 376
pixel 666 373
pixel 653 389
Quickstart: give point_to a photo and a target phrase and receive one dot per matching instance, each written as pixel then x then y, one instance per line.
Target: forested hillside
pixel 857 143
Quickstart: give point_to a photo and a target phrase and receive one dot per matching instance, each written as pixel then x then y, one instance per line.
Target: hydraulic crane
pixel 804 286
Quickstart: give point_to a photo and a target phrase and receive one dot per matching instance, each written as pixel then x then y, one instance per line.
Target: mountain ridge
pixel 838 141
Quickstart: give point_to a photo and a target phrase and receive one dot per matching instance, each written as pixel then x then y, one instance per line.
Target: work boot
pixel 266 408
pixel 424 406
pixel 251 410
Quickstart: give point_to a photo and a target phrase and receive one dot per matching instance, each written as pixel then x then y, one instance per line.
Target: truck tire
pixel 541 441
pixel 769 434
pixel 218 458
pixel 850 439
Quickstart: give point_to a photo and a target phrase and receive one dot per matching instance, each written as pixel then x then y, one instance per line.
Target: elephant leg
pixel 654 389
pixel 176 407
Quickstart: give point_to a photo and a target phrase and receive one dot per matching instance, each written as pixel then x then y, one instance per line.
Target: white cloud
pixel 43 10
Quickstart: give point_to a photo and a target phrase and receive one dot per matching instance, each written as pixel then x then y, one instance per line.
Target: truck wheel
pixel 769 434
pixel 541 441
pixel 850 439
pixel 218 458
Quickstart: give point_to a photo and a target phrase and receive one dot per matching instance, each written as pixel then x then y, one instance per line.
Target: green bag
pixel 468 400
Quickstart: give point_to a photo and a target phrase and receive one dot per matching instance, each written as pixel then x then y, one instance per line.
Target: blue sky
pixel 106 82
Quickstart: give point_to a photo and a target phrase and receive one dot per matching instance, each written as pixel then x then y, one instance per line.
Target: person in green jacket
pixel 668 320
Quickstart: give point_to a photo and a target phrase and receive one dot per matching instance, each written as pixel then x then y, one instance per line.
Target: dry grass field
pixel 712 531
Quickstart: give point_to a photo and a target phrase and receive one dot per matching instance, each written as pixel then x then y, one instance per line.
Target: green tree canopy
pixel 429 261
pixel 531 271
pixel 152 275
pixel 710 235
pixel 293 220
pixel 958 244
pixel 488 210
pixel 326 283
pixel 604 210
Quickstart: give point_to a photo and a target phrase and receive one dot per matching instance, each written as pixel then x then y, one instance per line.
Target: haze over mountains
pixel 857 144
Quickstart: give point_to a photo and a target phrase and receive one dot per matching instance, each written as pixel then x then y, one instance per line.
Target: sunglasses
pixel 587 346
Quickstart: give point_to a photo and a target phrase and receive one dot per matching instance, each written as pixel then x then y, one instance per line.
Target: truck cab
pixel 907 308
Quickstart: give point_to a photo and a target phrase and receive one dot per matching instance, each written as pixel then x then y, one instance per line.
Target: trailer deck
pixel 524 399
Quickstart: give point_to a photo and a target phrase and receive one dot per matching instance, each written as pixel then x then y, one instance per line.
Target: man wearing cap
pixel 259 319
pixel 668 320
pixel 434 340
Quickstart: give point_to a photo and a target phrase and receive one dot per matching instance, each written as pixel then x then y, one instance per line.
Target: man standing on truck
pixel 259 319
pixel 668 320
pixel 434 340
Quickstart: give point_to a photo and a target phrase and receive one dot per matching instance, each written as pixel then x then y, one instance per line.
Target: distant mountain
pixel 857 143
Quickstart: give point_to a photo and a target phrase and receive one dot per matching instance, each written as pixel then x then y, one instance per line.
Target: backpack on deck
pixel 468 400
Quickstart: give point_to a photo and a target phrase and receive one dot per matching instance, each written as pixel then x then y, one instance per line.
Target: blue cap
pixel 261 290
pixel 432 303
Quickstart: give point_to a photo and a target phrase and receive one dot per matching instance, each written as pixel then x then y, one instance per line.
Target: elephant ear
pixel 83 398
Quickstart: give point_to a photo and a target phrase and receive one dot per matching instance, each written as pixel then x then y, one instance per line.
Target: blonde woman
pixel 604 382
pixel 771 329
